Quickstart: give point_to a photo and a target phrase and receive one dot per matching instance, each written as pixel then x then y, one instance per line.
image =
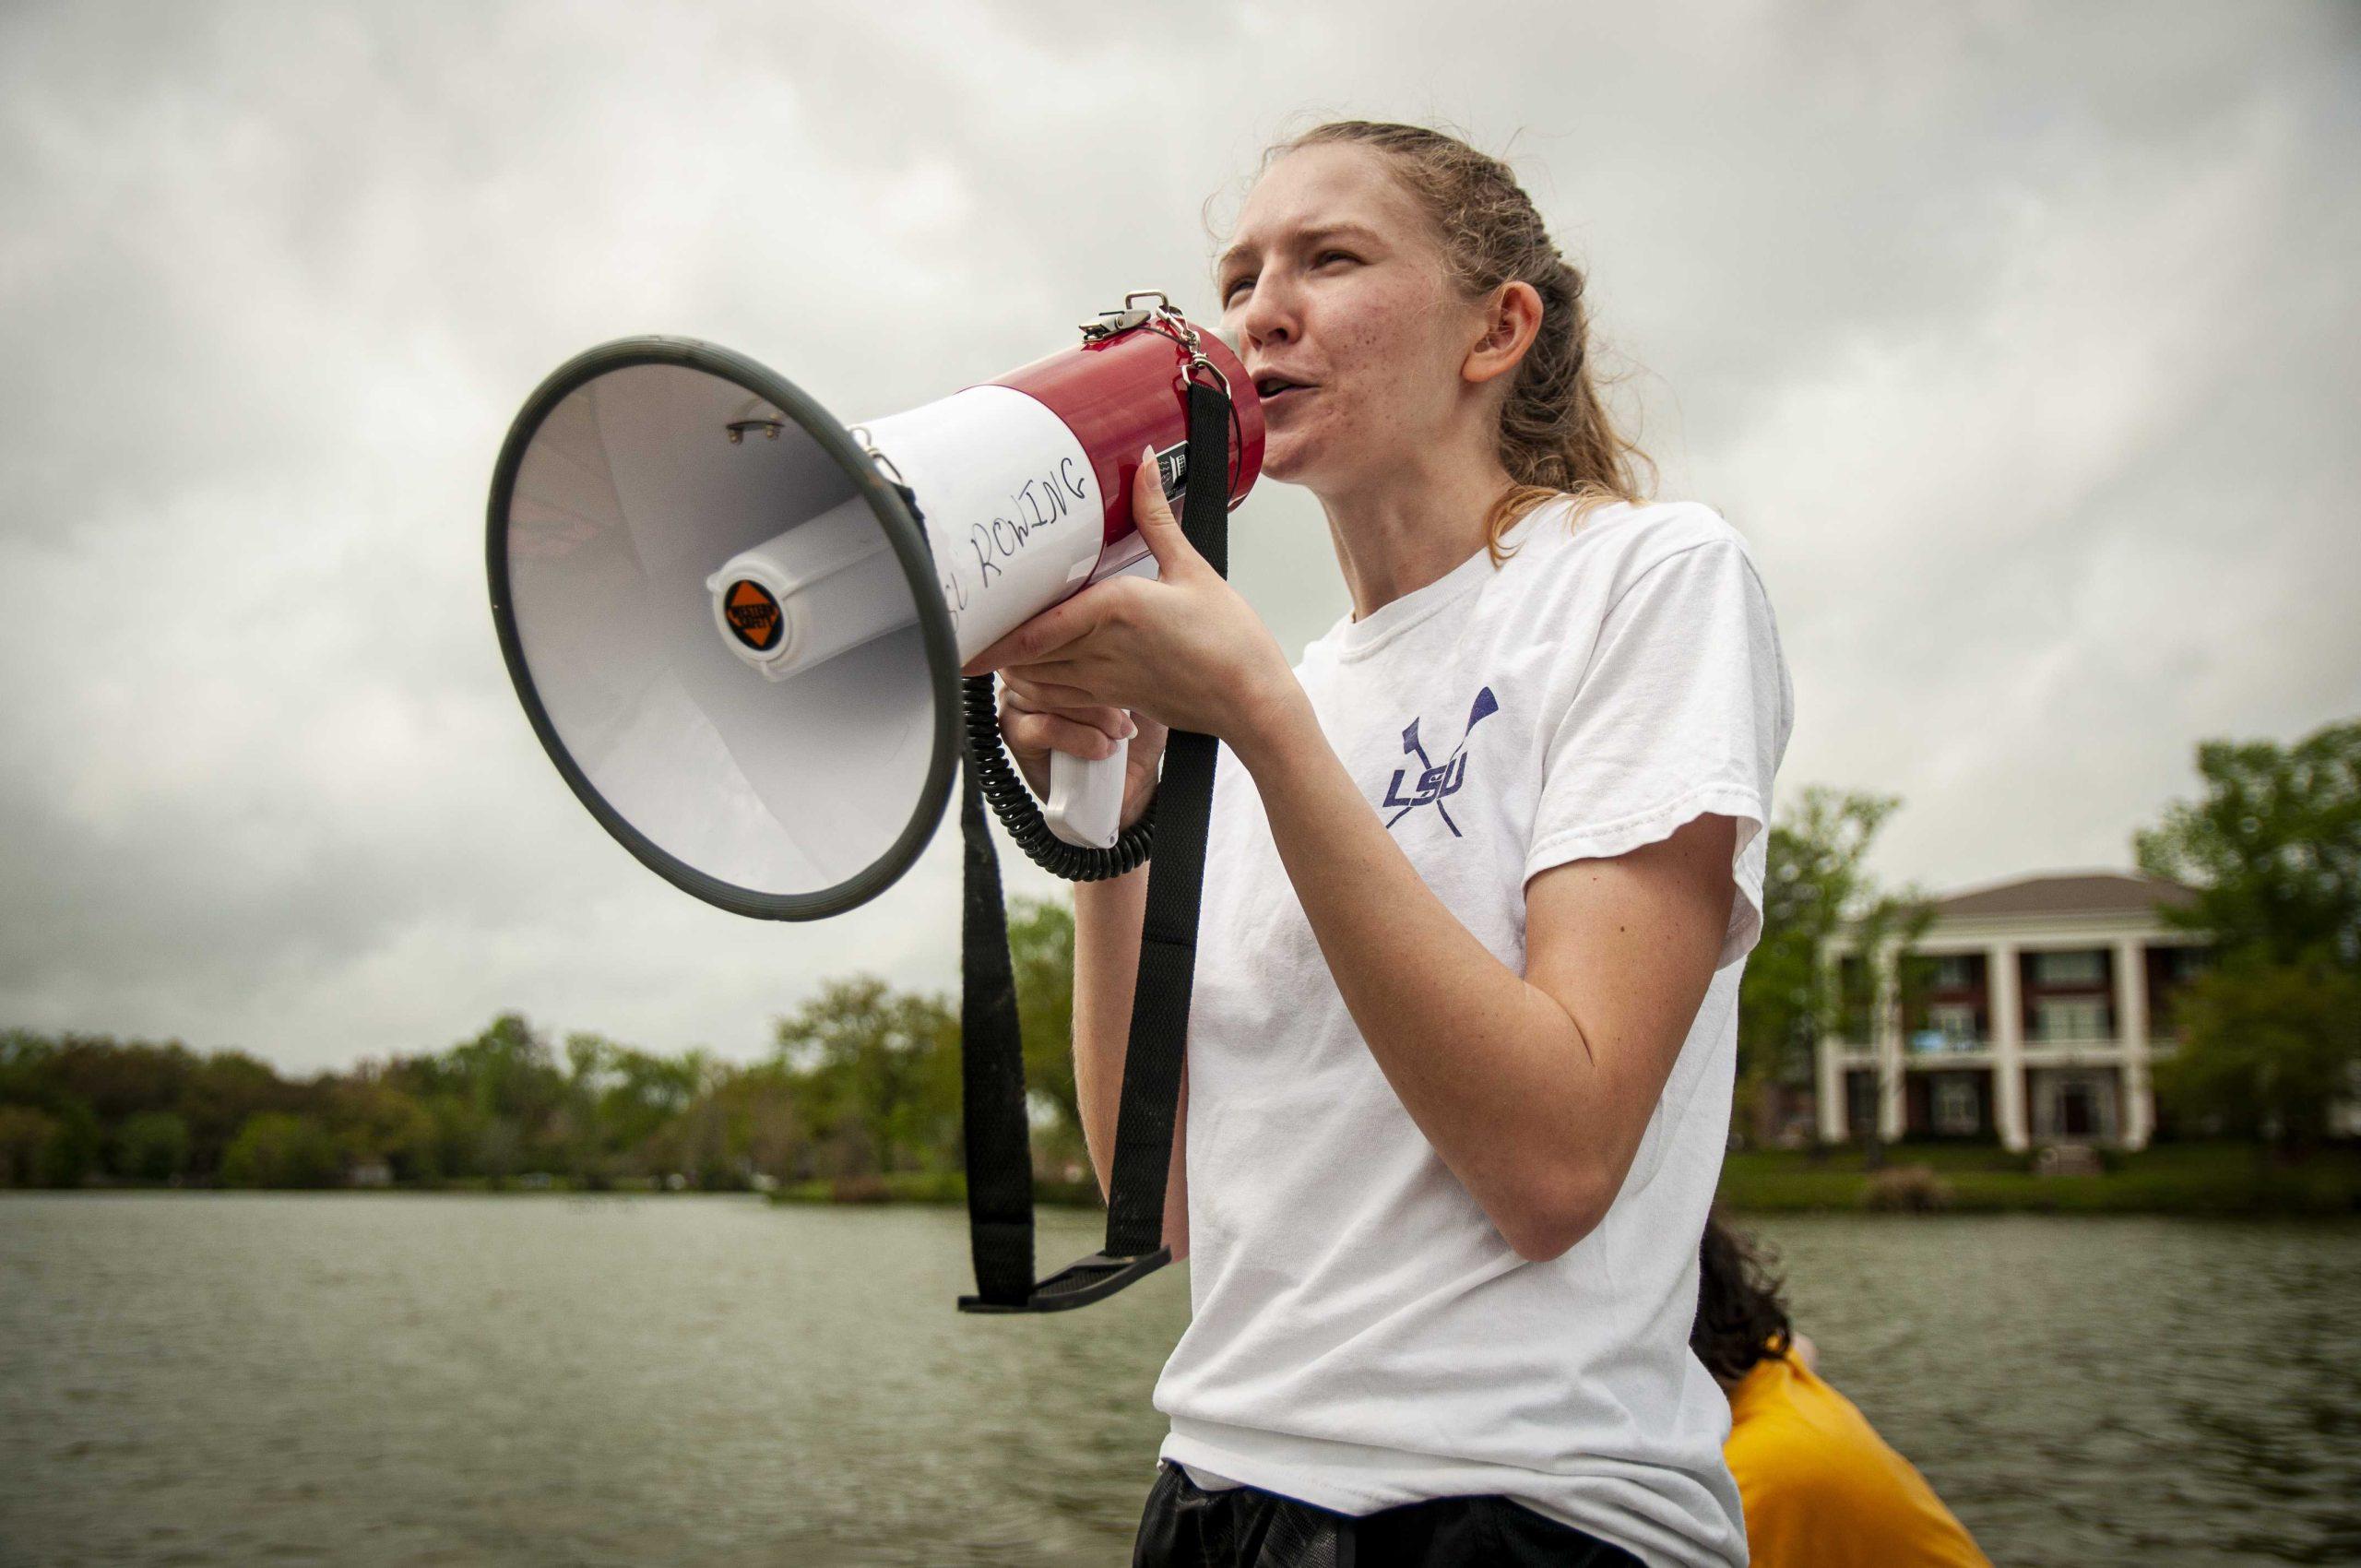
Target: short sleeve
pixel 1683 710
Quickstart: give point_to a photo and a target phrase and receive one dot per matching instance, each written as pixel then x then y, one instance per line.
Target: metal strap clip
pixel 1161 317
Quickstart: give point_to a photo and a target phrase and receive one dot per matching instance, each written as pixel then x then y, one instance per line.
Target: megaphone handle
pixel 1085 805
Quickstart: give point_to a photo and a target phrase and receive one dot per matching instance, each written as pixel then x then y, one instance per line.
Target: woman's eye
pixel 1229 295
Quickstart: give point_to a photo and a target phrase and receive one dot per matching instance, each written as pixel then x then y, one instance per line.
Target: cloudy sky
pixel 2019 340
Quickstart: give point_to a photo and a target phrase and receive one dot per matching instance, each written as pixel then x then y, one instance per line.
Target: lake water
pixel 381 1379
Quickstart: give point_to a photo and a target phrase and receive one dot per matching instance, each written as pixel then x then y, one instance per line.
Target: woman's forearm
pixel 1494 1071
pixel 1108 919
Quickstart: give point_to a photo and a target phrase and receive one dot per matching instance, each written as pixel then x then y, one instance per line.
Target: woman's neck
pixel 1411 526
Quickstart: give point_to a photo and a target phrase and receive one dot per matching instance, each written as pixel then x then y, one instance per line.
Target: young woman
pixel 1483 867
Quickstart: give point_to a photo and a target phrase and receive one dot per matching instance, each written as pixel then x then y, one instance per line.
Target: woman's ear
pixel 1511 320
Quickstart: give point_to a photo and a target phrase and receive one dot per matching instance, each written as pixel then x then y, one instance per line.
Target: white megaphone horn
pixel 737 623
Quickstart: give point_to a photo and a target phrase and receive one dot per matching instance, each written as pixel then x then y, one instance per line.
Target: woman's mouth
pixel 1277 391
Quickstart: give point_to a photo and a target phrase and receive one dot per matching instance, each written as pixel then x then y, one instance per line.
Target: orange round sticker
pixel 753 615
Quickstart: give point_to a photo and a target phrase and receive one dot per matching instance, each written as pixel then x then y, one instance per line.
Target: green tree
pixel 1040 946
pixel 83 1085
pixel 1817 884
pixel 514 1087
pixel 698 1138
pixel 577 1130
pixel 25 1135
pixel 72 1152
pixel 151 1147
pixel 494 1101
pixel 227 1089
pixel 117 1079
pixel 277 1150
pixel 762 1124
pixel 871 1062
pixel 2271 1037
pixel 2272 846
pixel 378 1118
pixel 2269 1047
pixel 621 1101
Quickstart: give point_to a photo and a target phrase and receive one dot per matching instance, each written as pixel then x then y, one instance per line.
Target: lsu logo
pixel 1436 780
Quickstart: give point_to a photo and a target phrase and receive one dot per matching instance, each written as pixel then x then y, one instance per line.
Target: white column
pixel 1888 1016
pixel 2008 1044
pixel 1829 1058
pixel 2132 1034
pixel 1831 1090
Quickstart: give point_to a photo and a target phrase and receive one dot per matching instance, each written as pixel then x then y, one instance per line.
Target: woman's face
pixel 1333 281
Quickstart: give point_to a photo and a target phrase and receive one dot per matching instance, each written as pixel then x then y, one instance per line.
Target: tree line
pixel 863 1081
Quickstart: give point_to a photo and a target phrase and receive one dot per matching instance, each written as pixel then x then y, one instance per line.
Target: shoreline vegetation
pixel 2193 1180
pixel 2211 1178
pixel 859 1104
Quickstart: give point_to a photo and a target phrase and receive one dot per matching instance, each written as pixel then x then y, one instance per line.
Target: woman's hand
pixel 1034 727
pixel 1183 652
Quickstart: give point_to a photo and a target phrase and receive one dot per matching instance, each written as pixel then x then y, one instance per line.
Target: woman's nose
pixel 1267 315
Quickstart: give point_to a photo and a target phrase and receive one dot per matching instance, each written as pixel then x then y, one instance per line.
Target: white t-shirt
pixel 1362 1335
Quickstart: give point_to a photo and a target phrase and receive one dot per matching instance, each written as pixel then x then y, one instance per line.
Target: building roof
pixel 2067 892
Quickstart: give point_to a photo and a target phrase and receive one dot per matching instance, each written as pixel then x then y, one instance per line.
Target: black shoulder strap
pixel 1000 1180
pixel 992 1074
pixel 1175 881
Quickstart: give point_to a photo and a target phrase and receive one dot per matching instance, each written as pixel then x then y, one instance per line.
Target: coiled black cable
pixel 1012 801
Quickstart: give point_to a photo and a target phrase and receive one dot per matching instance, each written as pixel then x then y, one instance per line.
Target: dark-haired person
pixel 1821 1489
pixel 1483 868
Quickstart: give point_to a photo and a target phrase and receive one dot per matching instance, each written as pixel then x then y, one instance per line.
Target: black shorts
pixel 1186 1527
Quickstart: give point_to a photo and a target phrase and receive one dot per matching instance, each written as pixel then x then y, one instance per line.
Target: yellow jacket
pixel 1821 1489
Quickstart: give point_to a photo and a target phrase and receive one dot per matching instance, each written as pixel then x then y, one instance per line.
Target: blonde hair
pixel 1555 436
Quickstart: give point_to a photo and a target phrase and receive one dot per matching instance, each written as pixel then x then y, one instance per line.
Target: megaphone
pixel 736 624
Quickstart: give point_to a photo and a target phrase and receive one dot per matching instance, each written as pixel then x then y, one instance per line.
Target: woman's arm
pixel 1535 1089
pixel 1107 917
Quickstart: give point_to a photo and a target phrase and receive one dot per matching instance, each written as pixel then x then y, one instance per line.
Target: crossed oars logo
pixel 1436 780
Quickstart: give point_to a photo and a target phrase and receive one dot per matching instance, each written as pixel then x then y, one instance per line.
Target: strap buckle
pixel 1078 1284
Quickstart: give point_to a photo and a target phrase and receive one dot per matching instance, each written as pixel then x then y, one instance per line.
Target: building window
pixel 2083 966
pixel 2060 1018
pixel 1958 1105
pixel 1951 1026
pixel 1952 972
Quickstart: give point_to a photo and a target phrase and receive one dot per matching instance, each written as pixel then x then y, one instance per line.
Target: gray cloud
pixel 2018 338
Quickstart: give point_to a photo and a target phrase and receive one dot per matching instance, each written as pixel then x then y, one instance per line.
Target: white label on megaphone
pixel 1015 519
pixel 1011 503
pixel 1013 514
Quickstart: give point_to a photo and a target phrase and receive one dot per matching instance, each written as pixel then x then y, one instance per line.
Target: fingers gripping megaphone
pixel 736 624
